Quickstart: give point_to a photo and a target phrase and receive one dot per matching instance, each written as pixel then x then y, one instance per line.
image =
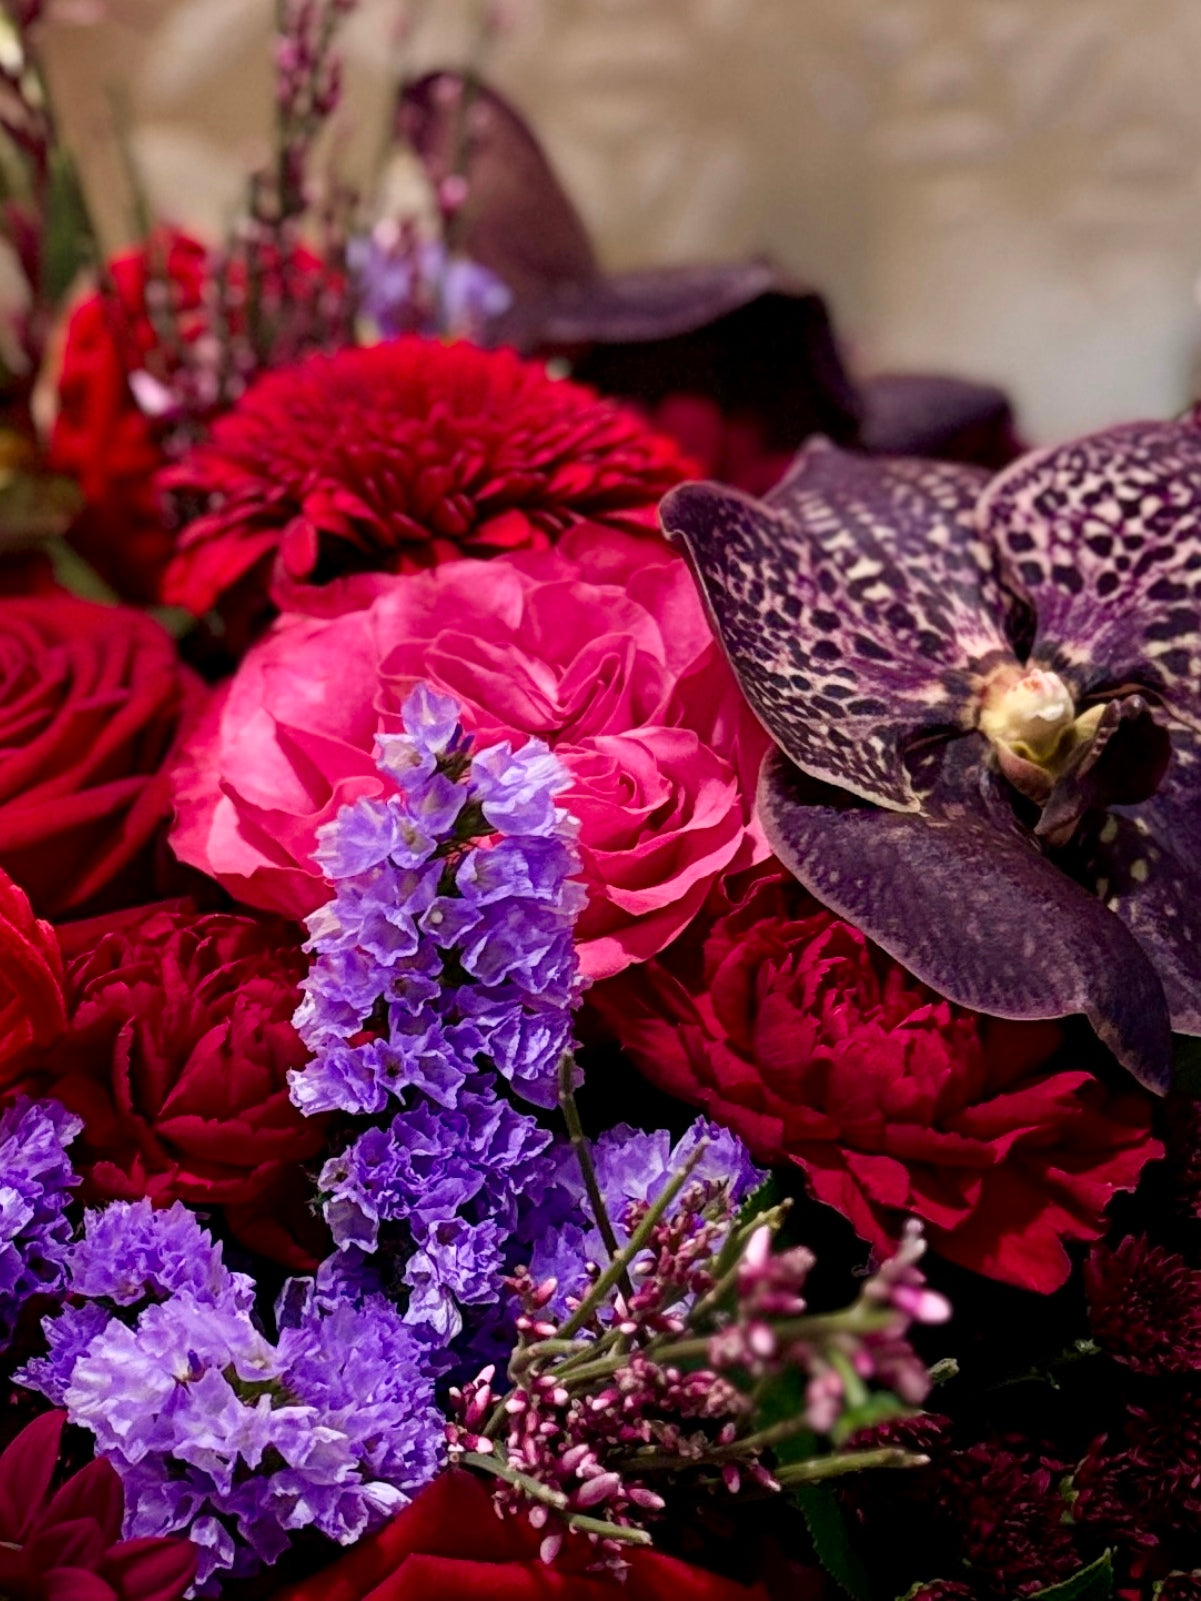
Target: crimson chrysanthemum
pixel 788 1026
pixel 398 457
pixel 1144 1306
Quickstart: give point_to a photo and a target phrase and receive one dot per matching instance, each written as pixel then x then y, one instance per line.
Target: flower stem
pixel 542 1493
pixel 579 1144
pixel 832 1467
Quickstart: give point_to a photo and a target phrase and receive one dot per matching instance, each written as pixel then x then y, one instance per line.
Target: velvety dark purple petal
pixel 517 220
pixel 929 414
pixel 974 910
pixel 1145 862
pixel 1104 536
pixel 856 606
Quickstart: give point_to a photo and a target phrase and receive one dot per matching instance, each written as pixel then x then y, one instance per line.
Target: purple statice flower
pixel 453 913
pixel 128 1255
pixel 132 1252
pixel 408 285
pixel 36 1179
pixel 238 1440
pixel 444 978
pixel 632 1167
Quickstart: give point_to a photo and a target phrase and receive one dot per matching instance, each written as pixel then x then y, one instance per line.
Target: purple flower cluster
pixel 215 1429
pixel 632 1168
pixel 407 285
pixel 444 977
pixel 36 1179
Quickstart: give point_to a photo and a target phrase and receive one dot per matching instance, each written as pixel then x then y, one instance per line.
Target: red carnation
pixel 178 1048
pixel 450 1543
pixel 786 1025
pixel 91 700
pixel 65 1544
pixel 31 973
pixel 401 456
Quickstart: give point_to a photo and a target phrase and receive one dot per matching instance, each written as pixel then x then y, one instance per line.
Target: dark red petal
pixel 26 1469
pixel 150 1570
pixel 855 604
pixel 975 911
pixel 94 1492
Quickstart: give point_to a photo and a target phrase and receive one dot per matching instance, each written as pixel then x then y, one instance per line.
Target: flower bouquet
pixel 567 1030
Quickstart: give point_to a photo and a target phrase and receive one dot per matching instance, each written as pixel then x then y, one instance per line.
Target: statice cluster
pixel 407 285
pixel 36 1179
pixel 442 987
pixel 216 1429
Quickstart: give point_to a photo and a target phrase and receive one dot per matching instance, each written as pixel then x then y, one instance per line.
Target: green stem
pixel 637 1243
pixel 832 1467
pixel 607 1531
pixel 583 1154
pixel 541 1493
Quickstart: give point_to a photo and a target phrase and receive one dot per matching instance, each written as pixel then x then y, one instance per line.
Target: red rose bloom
pixel 31 972
pixel 65 1544
pixel 101 437
pixel 91 699
pixel 401 456
pixel 450 1543
pixel 788 1027
pixel 177 1052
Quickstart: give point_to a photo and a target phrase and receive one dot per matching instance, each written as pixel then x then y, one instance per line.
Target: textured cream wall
pixel 1005 188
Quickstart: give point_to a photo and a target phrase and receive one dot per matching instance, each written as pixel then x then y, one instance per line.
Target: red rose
pixel 31 971
pixel 176 1056
pixel 449 1545
pixel 101 436
pixel 91 699
pixel 401 456
pixel 600 647
pixel 788 1027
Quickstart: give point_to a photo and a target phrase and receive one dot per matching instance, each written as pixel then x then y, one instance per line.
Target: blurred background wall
pixel 1005 189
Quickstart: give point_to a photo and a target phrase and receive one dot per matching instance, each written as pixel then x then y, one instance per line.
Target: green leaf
pixel 1093 1583
pixel 832 1540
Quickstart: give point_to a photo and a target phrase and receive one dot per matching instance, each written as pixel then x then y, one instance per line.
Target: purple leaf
pixel 516 219
pixel 927 414
pixel 1145 864
pixel 972 908
pixel 1104 536
pixel 856 605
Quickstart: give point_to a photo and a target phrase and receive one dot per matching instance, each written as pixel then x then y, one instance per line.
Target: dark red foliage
pixel 65 1544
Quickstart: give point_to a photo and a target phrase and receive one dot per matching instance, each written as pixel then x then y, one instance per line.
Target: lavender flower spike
pixel 985 698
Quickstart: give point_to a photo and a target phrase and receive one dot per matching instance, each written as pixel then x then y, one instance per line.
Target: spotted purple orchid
pixel 986 697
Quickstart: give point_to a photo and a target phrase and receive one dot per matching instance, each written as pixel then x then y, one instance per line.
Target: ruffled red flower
pixel 32 1011
pixel 786 1025
pixel 401 456
pixel 65 1544
pixel 176 1056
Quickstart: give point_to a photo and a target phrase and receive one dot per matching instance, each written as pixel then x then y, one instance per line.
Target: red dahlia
pixel 403 456
pixel 1144 1307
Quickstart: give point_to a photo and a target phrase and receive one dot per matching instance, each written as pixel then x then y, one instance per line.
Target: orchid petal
pixel 1104 537
pixel 973 909
pixel 856 605
pixel 1144 863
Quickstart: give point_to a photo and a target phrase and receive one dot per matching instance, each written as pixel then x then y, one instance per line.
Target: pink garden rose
pixel 599 646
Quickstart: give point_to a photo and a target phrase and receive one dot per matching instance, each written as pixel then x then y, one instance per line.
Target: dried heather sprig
pixel 658 1371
